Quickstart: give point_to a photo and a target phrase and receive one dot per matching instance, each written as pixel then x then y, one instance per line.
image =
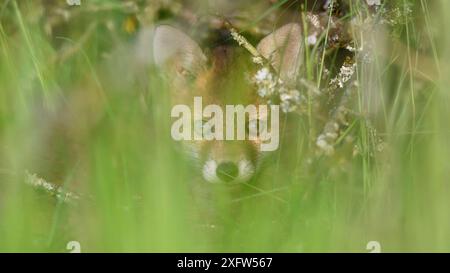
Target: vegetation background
pixel 85 154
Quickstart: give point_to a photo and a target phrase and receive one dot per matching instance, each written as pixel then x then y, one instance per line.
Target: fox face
pixel 220 76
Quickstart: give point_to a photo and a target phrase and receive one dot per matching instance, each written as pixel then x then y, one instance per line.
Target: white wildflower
pixel 373 2
pixel 265 81
pixel 325 141
pixel 350 48
pixel 263 74
pixel 264 92
pixel 345 74
pixel 268 85
pixel 289 100
pixel 323 145
pixel 312 39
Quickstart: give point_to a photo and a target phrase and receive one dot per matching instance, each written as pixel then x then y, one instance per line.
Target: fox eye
pixel 207 131
pixel 198 127
pixel 262 125
pixel 252 126
pixel 201 128
pixel 187 74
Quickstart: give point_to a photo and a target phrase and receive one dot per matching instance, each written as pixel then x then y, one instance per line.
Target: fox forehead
pixel 225 79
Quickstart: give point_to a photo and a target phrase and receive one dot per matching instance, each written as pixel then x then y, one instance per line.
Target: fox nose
pixel 227 171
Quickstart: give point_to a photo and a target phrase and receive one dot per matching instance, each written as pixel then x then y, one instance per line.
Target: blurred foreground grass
pixel 71 113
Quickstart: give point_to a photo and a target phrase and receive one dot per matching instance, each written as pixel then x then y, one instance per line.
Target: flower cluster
pixel 289 99
pixel 266 82
pixel 373 2
pixel 345 74
pixel 392 13
pixel 270 86
pixel 325 141
pixel 52 189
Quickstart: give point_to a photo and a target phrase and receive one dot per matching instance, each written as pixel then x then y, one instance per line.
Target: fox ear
pixel 284 49
pixel 176 51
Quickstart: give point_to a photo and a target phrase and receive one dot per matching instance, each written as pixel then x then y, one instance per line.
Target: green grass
pixel 82 122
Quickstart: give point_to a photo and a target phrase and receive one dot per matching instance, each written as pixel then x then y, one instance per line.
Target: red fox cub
pixel 218 75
